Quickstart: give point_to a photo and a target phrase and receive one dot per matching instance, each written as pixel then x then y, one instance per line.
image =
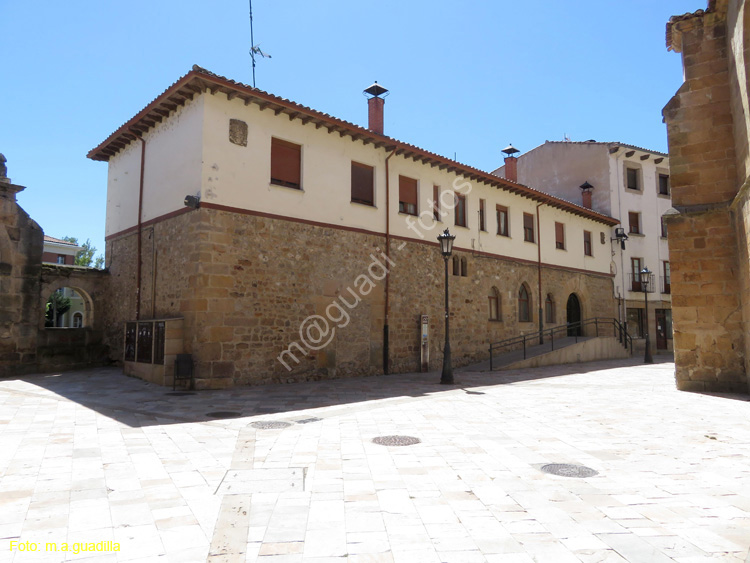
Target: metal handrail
pixel 620 331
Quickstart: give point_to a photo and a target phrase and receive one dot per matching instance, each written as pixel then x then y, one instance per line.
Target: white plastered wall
pixel 172 170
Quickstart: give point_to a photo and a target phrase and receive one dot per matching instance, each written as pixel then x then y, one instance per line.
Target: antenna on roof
pixel 254 49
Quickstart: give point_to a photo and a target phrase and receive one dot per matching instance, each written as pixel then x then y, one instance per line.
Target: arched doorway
pixel 574 315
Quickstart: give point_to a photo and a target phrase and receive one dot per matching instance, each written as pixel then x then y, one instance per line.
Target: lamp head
pixel 446 243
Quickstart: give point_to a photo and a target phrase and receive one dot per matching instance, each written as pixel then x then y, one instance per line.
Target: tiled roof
pixel 610 144
pixel 48 238
pixel 200 80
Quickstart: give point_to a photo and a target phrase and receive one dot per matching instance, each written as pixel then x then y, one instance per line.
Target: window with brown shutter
pixel 502 220
pixel 587 243
pixel 460 212
pixel 436 202
pixel 482 225
pixel 286 163
pixel 407 195
pixel 635 222
pixel 559 236
pixel 528 227
pixel 362 183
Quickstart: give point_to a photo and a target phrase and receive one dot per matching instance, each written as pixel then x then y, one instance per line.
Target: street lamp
pixel 446 249
pixel 645 280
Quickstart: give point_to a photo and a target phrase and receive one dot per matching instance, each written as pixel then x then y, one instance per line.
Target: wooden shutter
pixel 407 195
pixel 634 221
pixel 285 163
pixel 559 235
pixel 362 183
pixel 502 220
pixel 587 243
pixel 460 212
pixel 528 227
pixel 436 202
pixel 481 216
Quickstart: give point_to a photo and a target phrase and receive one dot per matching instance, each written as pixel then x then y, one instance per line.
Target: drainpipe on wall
pixel 539 272
pixel 139 236
pixel 386 353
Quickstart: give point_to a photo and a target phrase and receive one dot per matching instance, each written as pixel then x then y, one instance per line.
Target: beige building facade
pixel 631 184
pixel 298 246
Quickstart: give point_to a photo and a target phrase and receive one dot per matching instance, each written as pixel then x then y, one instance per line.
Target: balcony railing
pixel 635 282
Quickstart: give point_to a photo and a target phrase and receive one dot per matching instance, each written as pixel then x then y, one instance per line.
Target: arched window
pixel 464 267
pixel 77 320
pixel 456 266
pixel 524 305
pixel 549 309
pixel 495 305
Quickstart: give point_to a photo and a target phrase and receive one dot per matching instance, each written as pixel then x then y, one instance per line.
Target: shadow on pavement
pixel 137 403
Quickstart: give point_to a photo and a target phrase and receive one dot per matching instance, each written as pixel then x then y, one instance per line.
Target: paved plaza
pixel 117 469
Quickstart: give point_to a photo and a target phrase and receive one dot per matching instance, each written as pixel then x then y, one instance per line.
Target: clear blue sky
pixel 465 78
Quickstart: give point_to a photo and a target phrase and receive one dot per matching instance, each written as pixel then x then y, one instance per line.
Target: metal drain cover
pixel 396 440
pixel 269 424
pixel 308 420
pixel 568 470
pixel 224 414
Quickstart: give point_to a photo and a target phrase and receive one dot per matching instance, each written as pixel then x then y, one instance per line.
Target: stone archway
pixel 574 315
pixel 82 307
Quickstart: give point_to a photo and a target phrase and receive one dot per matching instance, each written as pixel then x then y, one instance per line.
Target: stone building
pixel 631 184
pixel 20 281
pixel 281 243
pixel 707 125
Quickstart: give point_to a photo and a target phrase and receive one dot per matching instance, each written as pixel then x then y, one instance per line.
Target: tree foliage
pixel 85 256
pixel 57 303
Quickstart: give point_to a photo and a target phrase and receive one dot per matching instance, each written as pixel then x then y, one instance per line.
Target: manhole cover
pixel 568 470
pixel 309 420
pixel 178 394
pixel 224 414
pixel 396 440
pixel 269 424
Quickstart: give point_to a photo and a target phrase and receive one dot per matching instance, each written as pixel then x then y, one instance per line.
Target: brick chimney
pixel 511 163
pixel 586 194
pixel 375 104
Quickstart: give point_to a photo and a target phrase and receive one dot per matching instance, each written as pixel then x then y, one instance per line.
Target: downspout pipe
pixel 386 348
pixel 539 272
pixel 139 235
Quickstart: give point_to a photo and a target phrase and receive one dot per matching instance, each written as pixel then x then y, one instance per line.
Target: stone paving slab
pixel 94 460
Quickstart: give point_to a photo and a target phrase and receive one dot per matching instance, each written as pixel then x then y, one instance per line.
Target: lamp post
pixel 446 249
pixel 645 280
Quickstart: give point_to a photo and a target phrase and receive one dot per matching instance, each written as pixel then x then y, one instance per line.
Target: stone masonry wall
pixel 246 285
pixel 21 243
pixel 709 267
